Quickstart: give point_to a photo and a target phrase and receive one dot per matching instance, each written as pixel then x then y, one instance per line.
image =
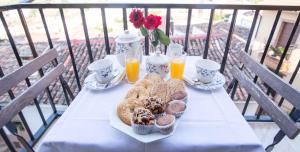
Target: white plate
pixel 117 123
pixel 217 82
pixel 91 83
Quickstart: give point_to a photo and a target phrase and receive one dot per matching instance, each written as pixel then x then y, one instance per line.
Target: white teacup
pixel 103 68
pixel 206 70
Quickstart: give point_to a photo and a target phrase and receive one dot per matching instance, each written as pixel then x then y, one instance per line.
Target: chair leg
pixel 295 115
pixel 278 137
pixel 13 130
pixel 24 143
pixel 7 141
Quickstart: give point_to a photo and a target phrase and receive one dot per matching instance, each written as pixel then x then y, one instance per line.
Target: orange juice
pixel 132 70
pixel 177 68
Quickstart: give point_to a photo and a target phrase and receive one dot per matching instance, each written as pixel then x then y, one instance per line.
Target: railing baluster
pixel 7 141
pixel 27 34
pixel 46 27
pixel 86 34
pixel 107 46
pixel 286 49
pixel 64 84
pixel 187 33
pixel 212 11
pixel 70 47
pixel 146 37
pixel 264 55
pixel 11 40
pixel 168 19
pixel 288 44
pixel 125 26
pixel 229 36
pixel 291 81
pixel 254 20
pixel 251 30
pixel 51 46
pixel 26 126
pixel 270 36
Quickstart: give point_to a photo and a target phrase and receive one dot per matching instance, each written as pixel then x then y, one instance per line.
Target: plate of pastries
pixel 151 109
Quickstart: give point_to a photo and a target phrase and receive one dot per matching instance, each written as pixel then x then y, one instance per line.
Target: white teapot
pixel 127 42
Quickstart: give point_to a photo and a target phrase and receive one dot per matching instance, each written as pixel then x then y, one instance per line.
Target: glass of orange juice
pixel 132 66
pixel 177 60
pixel 177 67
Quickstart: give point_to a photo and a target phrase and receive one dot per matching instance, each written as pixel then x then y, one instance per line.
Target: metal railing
pixel 145 7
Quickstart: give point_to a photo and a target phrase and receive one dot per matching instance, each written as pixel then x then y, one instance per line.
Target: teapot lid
pixel 127 37
pixel 157 58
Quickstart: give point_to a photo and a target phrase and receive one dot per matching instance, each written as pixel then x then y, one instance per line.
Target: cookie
pixel 147 84
pixel 137 92
pixel 161 91
pixel 175 85
pixel 126 108
pixel 154 78
pixel 124 113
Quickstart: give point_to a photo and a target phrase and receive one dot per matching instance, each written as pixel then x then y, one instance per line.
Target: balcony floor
pixel 265 131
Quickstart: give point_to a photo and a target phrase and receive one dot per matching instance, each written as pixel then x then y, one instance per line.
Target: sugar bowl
pixel 157 63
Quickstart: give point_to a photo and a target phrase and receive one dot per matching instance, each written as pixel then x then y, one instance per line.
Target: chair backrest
pixel 14 78
pixel 282 119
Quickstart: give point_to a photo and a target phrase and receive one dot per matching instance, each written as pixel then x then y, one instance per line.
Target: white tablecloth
pixel 211 123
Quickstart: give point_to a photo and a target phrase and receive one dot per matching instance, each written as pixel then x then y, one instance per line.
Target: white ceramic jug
pixel 127 42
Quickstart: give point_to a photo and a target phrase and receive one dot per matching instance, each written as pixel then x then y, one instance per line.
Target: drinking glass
pixel 132 66
pixel 177 67
pixel 177 60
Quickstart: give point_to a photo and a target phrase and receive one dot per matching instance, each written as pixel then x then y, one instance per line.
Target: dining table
pixel 211 123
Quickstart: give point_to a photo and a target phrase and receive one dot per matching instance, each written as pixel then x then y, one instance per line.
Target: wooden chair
pixel 18 103
pixel 286 123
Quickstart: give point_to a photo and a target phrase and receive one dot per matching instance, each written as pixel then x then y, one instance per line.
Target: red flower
pixel 136 17
pixel 152 22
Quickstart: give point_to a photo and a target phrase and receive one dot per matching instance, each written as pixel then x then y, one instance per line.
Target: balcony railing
pixel 208 46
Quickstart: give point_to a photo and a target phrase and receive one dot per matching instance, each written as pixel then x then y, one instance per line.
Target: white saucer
pixel 91 83
pixel 217 82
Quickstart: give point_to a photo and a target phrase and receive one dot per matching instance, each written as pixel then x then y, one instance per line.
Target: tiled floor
pixel 265 131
